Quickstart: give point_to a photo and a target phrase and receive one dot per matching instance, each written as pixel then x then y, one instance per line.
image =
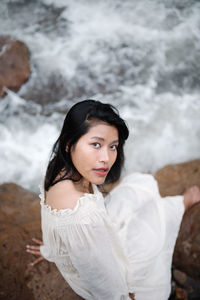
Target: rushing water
pixel 142 56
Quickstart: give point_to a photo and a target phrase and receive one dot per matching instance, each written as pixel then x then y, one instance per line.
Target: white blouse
pixel 108 248
pixel 85 247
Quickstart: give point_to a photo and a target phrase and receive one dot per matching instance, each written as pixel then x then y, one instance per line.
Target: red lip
pixel 101 171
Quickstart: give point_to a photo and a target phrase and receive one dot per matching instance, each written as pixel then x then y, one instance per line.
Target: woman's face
pixel 95 152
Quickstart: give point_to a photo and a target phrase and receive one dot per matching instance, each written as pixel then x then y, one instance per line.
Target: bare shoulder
pixel 62 195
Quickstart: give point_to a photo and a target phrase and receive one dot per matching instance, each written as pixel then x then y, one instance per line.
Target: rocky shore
pixel 20 216
pixel 20 221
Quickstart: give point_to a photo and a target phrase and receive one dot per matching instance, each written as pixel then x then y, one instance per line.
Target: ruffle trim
pixel 66 211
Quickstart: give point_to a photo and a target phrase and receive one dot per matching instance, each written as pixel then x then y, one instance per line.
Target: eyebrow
pixel 102 139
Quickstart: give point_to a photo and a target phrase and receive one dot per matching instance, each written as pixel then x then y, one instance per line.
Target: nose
pixel 104 155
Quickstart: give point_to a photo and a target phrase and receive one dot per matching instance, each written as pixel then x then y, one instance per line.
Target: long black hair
pixel 77 123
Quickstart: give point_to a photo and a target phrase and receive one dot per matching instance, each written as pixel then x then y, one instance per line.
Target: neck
pixel 84 186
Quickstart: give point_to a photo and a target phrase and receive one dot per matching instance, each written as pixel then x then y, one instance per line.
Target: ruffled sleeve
pixel 95 253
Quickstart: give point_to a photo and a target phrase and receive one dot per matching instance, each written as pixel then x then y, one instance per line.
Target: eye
pixel 96 145
pixel 113 147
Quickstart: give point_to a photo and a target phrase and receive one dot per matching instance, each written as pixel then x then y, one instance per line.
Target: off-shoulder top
pixel 85 247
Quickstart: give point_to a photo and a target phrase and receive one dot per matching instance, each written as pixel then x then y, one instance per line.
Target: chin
pixel 99 181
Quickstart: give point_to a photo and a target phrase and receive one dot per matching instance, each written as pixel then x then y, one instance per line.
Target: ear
pixel 67 148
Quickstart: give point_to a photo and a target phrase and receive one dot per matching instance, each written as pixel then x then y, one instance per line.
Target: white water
pixel 142 56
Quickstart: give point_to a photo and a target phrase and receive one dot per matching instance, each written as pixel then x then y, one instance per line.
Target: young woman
pixel 106 248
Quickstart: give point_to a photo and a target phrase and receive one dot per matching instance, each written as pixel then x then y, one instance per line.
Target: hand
pixel 191 196
pixel 132 296
pixel 35 250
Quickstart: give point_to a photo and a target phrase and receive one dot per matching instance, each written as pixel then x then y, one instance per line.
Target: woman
pixel 106 248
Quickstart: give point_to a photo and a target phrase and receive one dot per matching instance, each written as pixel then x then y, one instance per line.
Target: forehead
pixel 100 128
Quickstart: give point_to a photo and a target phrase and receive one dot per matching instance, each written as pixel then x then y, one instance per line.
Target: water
pixel 142 56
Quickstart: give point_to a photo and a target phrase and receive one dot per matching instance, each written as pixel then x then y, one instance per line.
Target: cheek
pixel 82 156
pixel 113 158
pixel 87 153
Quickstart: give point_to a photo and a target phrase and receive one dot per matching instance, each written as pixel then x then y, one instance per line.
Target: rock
pixel 185 286
pixel 175 179
pixel 187 250
pixel 19 222
pixel 14 64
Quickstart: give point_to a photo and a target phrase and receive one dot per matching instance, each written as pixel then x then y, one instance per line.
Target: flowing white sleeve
pixel 46 253
pixel 96 255
pixel 143 218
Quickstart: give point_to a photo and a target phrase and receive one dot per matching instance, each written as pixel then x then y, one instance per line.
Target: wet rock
pixel 14 64
pixel 19 222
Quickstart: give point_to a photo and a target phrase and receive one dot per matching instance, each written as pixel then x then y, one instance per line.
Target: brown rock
pixel 185 286
pixel 19 222
pixel 14 64
pixel 174 180
pixel 187 250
